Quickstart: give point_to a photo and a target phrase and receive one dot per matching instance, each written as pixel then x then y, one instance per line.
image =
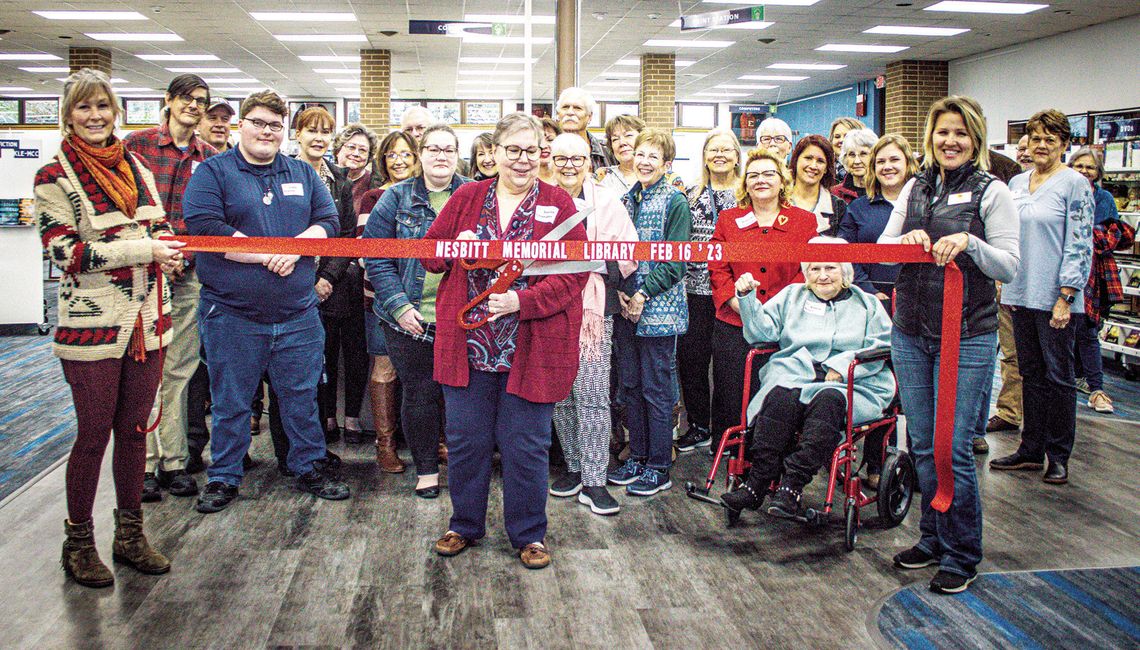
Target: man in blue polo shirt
pixel 259 312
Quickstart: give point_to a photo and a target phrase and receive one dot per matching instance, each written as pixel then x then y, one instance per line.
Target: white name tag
pixel 293 189
pixel 960 198
pixel 815 308
pixel 545 213
pixel 746 221
pixel 194 166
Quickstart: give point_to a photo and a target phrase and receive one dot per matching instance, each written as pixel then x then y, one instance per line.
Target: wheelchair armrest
pixel 874 354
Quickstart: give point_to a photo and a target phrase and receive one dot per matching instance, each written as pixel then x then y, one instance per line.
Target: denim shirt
pixel 403 212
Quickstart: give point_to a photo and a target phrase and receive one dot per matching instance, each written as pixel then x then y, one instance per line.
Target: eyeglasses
pixel 403 155
pixel 769 175
pixel 514 152
pixel 202 102
pixel 773 139
pixel 651 157
pixel 441 151
pixel 356 148
pixel 260 125
pixel 722 152
pixel 574 161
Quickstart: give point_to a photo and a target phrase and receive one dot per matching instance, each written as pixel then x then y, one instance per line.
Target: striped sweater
pixel 105 257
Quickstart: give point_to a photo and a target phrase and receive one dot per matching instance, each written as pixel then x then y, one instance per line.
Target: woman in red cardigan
pixel 502 380
pixel 763 214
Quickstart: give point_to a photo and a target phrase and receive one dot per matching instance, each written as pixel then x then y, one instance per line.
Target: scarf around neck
pixel 111 170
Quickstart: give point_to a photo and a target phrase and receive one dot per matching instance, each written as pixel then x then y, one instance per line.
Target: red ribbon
pixel 660 252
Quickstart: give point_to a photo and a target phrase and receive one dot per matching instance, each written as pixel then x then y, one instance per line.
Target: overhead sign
pixel 455 28
pixel 718 18
pixel 749 109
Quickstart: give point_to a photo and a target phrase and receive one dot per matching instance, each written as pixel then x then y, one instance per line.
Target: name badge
pixel 194 166
pixel 746 221
pixel 815 308
pixel 545 213
pixel 293 189
pixel 960 198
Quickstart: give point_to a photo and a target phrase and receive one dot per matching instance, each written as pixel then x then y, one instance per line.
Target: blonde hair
pixel 742 197
pixel 81 86
pixel 706 178
pixel 659 138
pixel 971 113
pixel 871 182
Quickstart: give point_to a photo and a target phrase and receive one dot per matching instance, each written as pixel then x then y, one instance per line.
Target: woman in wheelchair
pixel 819 326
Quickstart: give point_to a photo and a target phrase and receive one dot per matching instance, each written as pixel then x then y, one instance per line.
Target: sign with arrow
pixel 719 18
pixel 455 28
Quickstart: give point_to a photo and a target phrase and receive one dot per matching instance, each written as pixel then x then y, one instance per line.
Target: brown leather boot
pixel 442 451
pixel 132 549
pixel 383 396
pixel 80 558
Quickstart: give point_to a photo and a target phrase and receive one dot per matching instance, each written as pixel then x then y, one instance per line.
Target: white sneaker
pixel 1100 402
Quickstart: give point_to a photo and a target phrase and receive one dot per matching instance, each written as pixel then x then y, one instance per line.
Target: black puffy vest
pixel 918 305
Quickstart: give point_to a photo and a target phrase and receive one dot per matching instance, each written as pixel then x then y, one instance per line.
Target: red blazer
pixel 798 229
pixel 550 315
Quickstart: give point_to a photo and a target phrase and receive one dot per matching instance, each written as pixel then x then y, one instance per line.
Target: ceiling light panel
pixel 747 86
pixel 508 19
pixel 679 63
pixel 906 30
pixel 807 66
pixel 721 94
pixel 321 38
pixel 336 71
pixel 487 39
pixel 678 43
pixel 492 59
pixel 869 49
pixel 337 81
pixel 28 56
pixel 201 71
pixel 91 15
pixel 13 89
pixel 303 16
pixel 176 57
pixel 985 7
pixel 127 36
pixel 772 77
pixel 492 73
pixel 330 58
pixel 489 82
pixel 46 70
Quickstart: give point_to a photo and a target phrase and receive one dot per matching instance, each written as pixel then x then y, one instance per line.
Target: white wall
pixel 1091 69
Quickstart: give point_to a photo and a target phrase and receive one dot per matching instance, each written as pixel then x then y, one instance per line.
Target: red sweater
pixel 550 308
pixel 798 228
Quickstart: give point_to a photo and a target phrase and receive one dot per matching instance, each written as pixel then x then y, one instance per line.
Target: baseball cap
pixel 221 102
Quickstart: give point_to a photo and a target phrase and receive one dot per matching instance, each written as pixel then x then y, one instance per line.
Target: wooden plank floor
pixel 279 568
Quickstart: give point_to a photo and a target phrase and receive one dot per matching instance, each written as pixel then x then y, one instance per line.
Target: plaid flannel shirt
pixel 1104 288
pixel 170 165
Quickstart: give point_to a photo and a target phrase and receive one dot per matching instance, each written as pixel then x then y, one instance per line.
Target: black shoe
pixel 353 436
pixel 945 582
pixel 216 497
pixel 247 463
pixel 693 438
pixel 195 464
pixel 1016 461
pixel 178 482
pixel 599 500
pixel 332 435
pixel 567 486
pixel 785 503
pixel 914 558
pixel 329 465
pixel 322 486
pixel 151 491
pixel 1057 474
pixel 745 497
pixel 284 470
pixel 428 492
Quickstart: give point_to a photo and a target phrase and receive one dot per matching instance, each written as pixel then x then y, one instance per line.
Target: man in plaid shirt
pixel 172 151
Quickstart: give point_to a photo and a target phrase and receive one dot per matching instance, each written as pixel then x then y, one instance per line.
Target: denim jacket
pixel 403 212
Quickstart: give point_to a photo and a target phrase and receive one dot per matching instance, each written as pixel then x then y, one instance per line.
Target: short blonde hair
pixel 742 197
pixel 81 86
pixel 971 113
pixel 706 178
pixel 512 123
pixel 871 182
pixel 659 138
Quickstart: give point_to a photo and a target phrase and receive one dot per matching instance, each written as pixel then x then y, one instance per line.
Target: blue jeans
pixel 648 392
pixel 1045 359
pixel 954 536
pixel 1090 365
pixel 239 352
pixel 480 418
pixel 373 334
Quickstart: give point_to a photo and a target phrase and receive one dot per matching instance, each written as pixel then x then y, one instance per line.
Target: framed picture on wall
pixel 696 116
pixel 9 111
pixel 446 112
pixel 398 107
pixel 351 111
pixel 41 111
pixel 142 111
pixel 614 109
pixel 482 112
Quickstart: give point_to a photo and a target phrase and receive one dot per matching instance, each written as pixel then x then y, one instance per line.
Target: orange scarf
pixel 109 167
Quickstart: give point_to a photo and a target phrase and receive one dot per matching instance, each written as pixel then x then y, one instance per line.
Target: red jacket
pixel 798 229
pixel 550 308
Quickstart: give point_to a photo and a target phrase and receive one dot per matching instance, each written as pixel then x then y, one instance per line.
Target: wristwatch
pixel 644 296
pixel 1069 298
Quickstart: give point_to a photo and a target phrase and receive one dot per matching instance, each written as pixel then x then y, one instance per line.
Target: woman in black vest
pixel 958 212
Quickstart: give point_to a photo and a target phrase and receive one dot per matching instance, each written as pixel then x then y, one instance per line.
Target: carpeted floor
pixel 1079 608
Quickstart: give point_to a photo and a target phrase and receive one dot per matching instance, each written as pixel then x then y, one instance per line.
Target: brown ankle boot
pixel 442 451
pixel 383 395
pixel 131 547
pixel 81 559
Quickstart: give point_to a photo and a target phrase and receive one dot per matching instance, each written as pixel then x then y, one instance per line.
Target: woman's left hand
pixel 1061 314
pixel 501 304
pixel 832 375
pixel 947 248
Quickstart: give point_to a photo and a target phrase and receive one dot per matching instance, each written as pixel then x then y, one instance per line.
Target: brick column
pixel 658 90
pixel 95 58
pixel 912 86
pixel 376 89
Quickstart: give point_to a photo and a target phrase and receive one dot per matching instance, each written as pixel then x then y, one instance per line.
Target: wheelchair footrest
pixel 700 494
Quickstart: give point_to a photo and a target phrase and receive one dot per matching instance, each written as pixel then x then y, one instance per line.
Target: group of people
pixel 577 349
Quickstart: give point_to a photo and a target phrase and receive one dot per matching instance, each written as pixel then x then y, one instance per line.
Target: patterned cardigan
pixel 105 257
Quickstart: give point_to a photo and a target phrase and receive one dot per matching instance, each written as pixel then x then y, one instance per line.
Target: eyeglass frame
pixel 582 160
pixel 261 125
pixel 532 155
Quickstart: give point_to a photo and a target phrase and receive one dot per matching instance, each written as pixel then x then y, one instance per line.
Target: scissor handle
pixel 471 265
pixel 507 276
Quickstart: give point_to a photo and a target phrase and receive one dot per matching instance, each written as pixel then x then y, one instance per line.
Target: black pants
pixel 345 333
pixel 729 352
pixel 1045 359
pixel 774 448
pixel 421 409
pixel 197 394
pixel 694 354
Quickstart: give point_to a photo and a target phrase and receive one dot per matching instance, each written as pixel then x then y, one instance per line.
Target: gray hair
pixel 512 123
pixel 1098 159
pixel 570 143
pixel 776 126
pixel 847 270
pixel 857 138
pixel 81 86
pixel 412 110
pixel 591 105
pixel 350 131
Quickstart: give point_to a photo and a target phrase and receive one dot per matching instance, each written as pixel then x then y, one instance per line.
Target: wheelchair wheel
pixel 851 529
pixel 896 488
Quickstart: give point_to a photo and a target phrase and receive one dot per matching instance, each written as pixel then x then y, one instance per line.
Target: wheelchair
pixel 897 482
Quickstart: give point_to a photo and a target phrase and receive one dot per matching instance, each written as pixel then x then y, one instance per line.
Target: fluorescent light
pixel 492 73
pixel 251 89
pixel 206 70
pixel 771 77
pixel 336 71
pixel 91 15
pixel 670 42
pixel 321 38
pixel 117 80
pixel 679 63
pixel 757 25
pixel 342 81
pixel 630 75
pixel 28 56
pixel 47 70
pixel 851 47
pixel 489 82
pixel 13 89
pixel 304 16
pixel 34 95
pixel 177 57
pixel 615 83
pixel 806 66
pixel 985 7
pixel 906 30
pixel 511 20
pixel 718 94
pixel 493 59
pixel 134 90
pixel 126 36
pixel 766 3
pixel 352 90
pixel 748 86
pixel 331 58
pixel 229 80
pixel 478 39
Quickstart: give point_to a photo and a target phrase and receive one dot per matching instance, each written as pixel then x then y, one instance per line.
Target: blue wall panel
pixel 815 115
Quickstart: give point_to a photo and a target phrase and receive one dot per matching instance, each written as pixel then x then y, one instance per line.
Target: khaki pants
pixel 166 446
pixel 1009 398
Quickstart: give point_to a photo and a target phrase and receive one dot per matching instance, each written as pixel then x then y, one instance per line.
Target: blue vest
pixel 666 314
